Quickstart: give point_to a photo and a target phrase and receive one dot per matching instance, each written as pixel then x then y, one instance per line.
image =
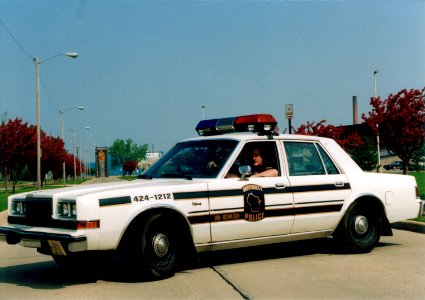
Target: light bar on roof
pixel 261 123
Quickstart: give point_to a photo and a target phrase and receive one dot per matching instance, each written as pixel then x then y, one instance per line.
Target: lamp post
pixel 379 150
pixel 374 81
pixel 377 125
pixel 95 160
pixel 74 150
pixel 37 98
pixel 61 112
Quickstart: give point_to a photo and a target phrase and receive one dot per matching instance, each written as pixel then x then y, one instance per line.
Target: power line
pixel 47 94
pixel 16 41
pixel 30 56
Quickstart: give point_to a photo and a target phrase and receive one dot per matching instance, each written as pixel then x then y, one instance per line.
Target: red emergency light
pixel 261 123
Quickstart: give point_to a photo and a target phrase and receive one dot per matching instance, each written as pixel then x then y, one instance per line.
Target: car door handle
pixel 339 184
pixel 280 186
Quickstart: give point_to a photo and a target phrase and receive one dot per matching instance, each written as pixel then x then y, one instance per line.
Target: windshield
pixel 195 159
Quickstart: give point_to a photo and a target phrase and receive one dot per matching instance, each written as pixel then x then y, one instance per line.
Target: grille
pixel 39 212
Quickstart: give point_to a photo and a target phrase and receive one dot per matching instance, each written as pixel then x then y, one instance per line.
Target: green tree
pixel 418 159
pixel 400 122
pixel 365 155
pixel 122 152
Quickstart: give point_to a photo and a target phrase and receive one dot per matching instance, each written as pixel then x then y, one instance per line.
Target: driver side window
pixel 262 157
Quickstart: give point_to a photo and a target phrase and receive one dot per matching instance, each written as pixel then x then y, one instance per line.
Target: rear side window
pixel 308 159
pixel 329 165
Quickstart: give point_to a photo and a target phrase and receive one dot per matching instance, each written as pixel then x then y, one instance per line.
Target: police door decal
pixel 254 206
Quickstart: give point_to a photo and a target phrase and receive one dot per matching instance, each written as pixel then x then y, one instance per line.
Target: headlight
pixel 67 209
pixel 18 207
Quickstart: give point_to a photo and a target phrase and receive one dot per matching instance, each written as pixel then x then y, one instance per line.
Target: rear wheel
pixel 360 229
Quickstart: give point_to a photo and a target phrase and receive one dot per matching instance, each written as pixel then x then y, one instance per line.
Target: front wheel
pixel 360 229
pixel 158 247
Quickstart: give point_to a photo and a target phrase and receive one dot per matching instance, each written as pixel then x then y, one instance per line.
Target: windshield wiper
pixel 176 175
pixel 143 176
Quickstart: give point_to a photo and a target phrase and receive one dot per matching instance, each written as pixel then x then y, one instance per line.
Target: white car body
pixel 214 210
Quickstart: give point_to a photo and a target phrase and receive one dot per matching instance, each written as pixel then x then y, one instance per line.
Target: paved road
pixel 299 270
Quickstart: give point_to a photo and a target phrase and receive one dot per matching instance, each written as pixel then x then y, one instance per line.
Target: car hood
pixel 88 189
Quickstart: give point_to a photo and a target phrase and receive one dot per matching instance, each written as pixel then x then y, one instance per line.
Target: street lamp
pixel 379 149
pixel 374 80
pixel 74 150
pixel 37 62
pixel 61 112
pixel 95 161
pixel 377 125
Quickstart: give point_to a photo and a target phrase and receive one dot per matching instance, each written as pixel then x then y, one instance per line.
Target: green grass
pixel 420 180
pixel 23 187
pixel 20 189
pixel 420 219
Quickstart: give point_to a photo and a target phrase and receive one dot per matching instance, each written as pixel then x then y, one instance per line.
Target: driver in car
pixel 258 166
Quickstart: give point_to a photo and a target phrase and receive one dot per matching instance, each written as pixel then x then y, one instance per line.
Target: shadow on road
pixel 275 251
pixel 48 275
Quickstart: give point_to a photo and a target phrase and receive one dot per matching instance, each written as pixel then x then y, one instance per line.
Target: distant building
pixel 151 157
pixel 154 155
pixel 363 130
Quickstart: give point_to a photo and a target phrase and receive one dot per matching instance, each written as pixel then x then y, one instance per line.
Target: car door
pixel 319 187
pixel 252 207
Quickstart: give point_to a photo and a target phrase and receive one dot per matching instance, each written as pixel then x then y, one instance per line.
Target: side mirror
pixel 245 171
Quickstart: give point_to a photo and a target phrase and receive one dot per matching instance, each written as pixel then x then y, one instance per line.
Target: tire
pixel 360 229
pixel 158 247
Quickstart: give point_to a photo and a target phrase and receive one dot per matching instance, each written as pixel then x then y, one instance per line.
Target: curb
pixel 414 226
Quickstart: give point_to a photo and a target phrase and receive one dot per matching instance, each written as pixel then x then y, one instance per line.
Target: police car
pixel 238 184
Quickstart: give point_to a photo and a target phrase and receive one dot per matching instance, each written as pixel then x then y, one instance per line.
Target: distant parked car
pixel 394 165
pixel 416 166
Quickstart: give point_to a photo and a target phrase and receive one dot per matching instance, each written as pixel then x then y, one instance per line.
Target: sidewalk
pixel 410 225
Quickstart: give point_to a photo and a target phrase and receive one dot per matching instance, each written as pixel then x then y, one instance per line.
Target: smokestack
pixel 355 117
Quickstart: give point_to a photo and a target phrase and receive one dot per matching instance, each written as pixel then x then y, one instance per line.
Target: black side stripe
pixel 317 209
pixel 190 195
pixel 272 190
pixel 115 201
pixel 319 188
pixel 283 212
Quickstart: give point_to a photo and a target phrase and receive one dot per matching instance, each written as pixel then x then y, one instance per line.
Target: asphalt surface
pixel 311 269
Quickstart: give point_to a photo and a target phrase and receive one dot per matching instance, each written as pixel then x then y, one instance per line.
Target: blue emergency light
pixel 261 123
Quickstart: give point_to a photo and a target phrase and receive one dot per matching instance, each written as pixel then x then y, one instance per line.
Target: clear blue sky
pixel 146 68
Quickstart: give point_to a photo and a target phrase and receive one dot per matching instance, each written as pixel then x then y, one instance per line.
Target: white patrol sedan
pixel 239 184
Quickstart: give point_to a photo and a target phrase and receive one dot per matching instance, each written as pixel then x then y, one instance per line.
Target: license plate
pixel 56 248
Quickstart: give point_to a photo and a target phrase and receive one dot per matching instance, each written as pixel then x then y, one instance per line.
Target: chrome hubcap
pixel 360 224
pixel 160 244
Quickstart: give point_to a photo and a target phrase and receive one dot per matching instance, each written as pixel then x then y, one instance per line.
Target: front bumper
pixel 59 244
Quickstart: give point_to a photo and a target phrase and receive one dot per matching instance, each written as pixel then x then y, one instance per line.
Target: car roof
pixel 256 136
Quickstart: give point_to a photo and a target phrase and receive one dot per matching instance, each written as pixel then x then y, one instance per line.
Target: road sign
pixel 289 111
